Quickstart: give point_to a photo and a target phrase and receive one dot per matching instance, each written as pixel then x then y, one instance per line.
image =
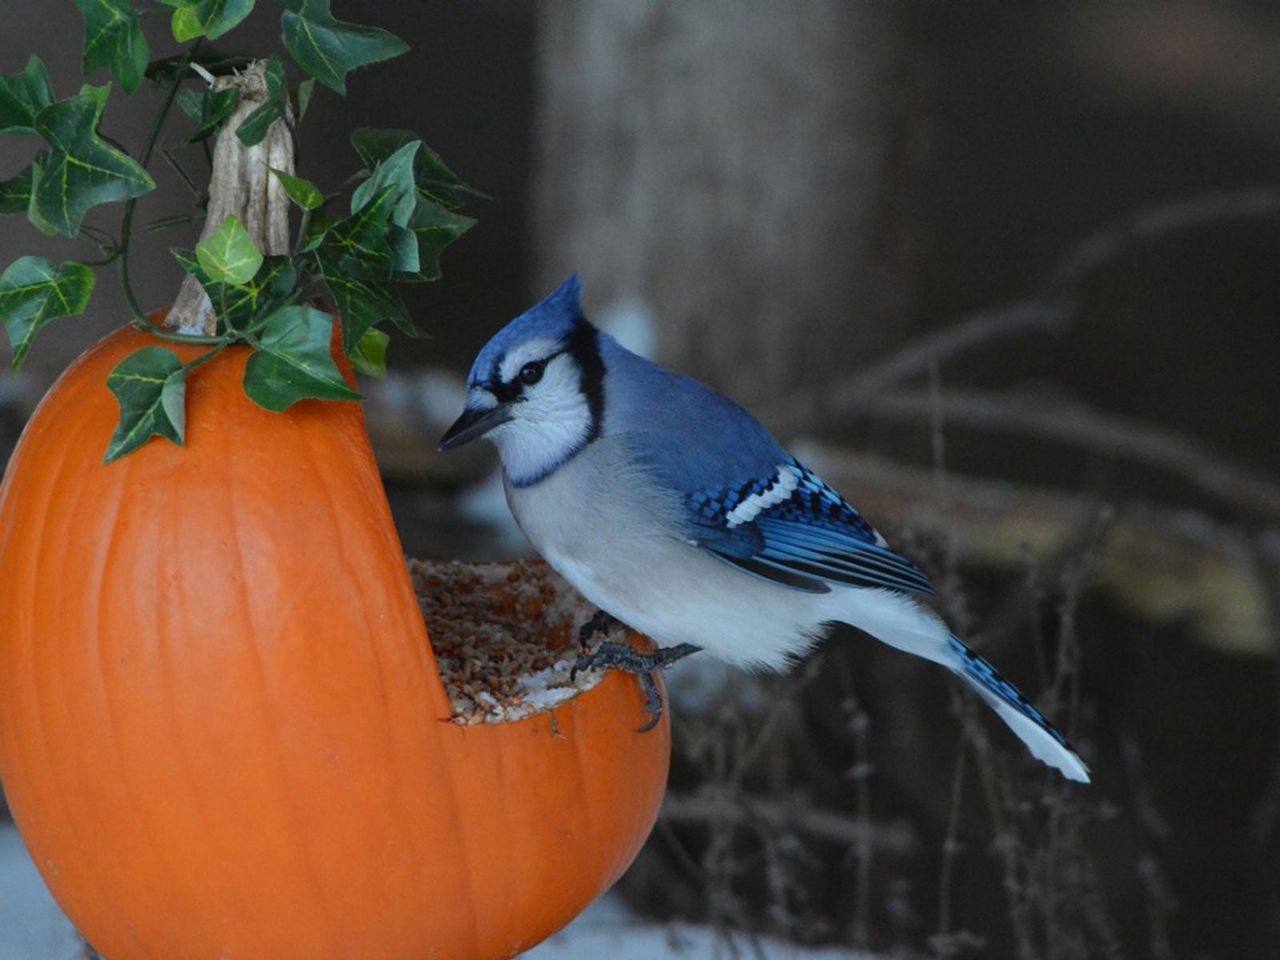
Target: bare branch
pixel 972 331
pixel 827 825
pixel 1078 425
pixel 1049 306
pixel 1158 223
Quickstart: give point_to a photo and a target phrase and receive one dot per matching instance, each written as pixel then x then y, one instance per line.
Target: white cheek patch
pixel 560 381
pixel 525 353
pixel 555 408
pixel 780 487
pixel 549 427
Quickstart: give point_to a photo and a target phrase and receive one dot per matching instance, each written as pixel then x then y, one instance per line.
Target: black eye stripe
pixel 509 390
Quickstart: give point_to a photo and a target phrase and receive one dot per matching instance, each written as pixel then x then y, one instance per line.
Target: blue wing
pixel 753 505
pixel 795 530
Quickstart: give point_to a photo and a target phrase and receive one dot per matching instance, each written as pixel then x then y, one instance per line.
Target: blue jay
pixel 674 511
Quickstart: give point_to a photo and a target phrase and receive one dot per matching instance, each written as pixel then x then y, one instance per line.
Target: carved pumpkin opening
pixel 504 637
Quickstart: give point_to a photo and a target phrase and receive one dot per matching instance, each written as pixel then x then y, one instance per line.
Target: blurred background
pixel 1003 273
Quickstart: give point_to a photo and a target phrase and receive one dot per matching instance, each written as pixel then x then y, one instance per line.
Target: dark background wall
pixel 990 141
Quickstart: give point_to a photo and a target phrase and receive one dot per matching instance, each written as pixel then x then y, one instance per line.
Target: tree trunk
pixel 743 169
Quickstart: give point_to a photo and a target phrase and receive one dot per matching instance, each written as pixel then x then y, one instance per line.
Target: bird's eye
pixel 531 373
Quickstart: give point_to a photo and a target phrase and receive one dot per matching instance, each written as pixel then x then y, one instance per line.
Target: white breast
pixel 614 536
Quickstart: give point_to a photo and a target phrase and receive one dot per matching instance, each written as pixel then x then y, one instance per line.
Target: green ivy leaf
pixel 214 107
pixel 185 25
pixel 293 361
pixel 150 385
pixel 98 95
pixel 255 126
pixel 360 244
pixel 239 306
pixel 321 223
pixel 190 102
pixel 33 209
pixel 362 304
pixel 370 355
pixel 206 18
pixel 33 291
pixel 301 191
pixel 113 38
pixel 81 171
pixel 421 228
pixel 432 178
pixel 228 255
pixel 22 96
pixel 15 193
pixel 328 49
pixel 433 228
pixel 396 172
pixel 303 97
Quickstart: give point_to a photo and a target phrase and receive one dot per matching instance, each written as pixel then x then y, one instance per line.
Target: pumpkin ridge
pixel 341 555
pixel 99 572
pixel 579 766
pixel 42 661
pixel 300 850
pixel 166 631
pixel 392 798
pixel 468 855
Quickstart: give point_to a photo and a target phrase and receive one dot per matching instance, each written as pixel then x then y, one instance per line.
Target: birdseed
pixel 505 636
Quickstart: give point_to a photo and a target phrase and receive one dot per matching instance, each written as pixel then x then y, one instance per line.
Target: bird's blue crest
pixel 552 318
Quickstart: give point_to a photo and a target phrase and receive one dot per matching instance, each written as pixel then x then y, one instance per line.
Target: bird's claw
pixel 643 666
pixel 600 622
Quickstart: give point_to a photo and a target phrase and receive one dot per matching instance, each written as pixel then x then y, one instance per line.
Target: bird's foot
pixel 621 656
pixel 601 622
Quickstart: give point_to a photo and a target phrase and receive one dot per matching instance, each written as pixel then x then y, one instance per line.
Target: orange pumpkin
pixel 222 730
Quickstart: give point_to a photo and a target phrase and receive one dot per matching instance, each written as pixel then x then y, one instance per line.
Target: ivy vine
pixel 386 225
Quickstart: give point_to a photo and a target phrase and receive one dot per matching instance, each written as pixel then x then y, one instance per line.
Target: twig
pixel 126 218
pixel 896 838
pixel 1079 425
pixel 1158 223
pixel 972 331
pixel 860 774
pixel 950 850
pixel 1160 904
pixel 1050 304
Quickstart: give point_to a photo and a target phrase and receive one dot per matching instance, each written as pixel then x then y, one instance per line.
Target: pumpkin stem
pixel 243 186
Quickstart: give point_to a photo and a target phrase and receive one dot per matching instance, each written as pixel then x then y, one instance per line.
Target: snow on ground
pixel 609 929
pixel 32 927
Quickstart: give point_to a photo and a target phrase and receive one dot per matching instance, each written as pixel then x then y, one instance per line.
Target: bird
pixel 674 511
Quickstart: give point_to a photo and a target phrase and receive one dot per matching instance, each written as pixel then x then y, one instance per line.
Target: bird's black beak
pixel 474 423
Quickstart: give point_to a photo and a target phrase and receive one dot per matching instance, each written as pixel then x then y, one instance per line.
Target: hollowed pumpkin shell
pixel 222 732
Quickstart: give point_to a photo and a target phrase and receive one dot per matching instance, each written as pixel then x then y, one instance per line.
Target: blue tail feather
pixel 980 671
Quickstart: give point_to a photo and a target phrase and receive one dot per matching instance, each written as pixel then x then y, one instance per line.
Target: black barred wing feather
pixel 793 529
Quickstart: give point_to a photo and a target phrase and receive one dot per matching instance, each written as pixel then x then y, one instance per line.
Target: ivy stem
pixel 204 357
pixel 303 225
pixel 158 331
pixel 126 219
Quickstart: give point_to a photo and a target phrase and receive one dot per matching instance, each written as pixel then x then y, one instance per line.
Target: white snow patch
pixel 609 929
pixel 31 925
